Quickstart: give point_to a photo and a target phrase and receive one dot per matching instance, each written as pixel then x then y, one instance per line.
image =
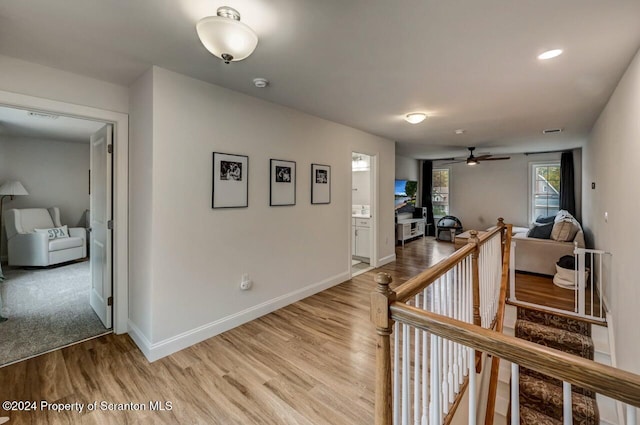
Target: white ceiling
pixel 18 123
pixel 470 64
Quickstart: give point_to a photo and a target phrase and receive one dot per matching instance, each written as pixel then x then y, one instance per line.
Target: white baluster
pixel 435 381
pixel 599 280
pixel 406 340
pixel 416 371
pixel 515 394
pixel 425 368
pixel 581 284
pixel 512 272
pixel 472 388
pixel 567 411
pixel 396 371
pixel 632 418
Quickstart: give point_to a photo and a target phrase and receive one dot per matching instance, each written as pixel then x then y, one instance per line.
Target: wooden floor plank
pixel 309 363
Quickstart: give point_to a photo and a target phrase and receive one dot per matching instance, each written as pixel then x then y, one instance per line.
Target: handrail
pixel 609 381
pixel 427 277
pixel 495 361
pixel 417 283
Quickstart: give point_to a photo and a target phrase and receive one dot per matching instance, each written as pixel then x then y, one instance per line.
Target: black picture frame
pixel 230 181
pixel 282 182
pixel 320 184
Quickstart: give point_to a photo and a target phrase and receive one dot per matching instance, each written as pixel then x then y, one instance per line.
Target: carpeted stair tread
pixel 558 322
pixel 569 342
pixel 546 398
pixel 533 417
pixel 556 381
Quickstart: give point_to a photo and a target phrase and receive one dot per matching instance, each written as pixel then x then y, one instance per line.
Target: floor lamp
pixel 11 189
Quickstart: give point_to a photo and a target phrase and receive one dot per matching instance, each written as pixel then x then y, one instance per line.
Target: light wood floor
pixel 309 363
pixel 540 290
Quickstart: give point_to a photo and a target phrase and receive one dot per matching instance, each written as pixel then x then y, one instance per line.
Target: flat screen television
pixel 405 195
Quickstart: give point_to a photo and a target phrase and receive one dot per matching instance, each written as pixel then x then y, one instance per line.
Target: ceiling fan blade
pixel 496 159
pixel 454 162
pixel 482 157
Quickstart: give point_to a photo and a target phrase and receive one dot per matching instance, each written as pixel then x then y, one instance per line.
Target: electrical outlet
pixel 245 283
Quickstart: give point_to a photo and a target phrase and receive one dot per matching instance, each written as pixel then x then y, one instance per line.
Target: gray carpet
pixel 47 309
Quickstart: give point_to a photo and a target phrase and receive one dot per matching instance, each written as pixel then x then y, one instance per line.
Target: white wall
pixel 611 161
pixel 55 174
pixel 19 76
pixel 406 168
pixel 141 187
pixel 199 253
pixel 480 194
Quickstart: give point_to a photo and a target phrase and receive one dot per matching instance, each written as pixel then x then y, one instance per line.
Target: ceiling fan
pixel 473 160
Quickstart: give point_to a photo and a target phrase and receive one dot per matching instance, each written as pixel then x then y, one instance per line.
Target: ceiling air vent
pixel 552 130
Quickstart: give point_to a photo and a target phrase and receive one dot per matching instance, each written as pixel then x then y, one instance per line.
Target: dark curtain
pixel 567 194
pixel 425 196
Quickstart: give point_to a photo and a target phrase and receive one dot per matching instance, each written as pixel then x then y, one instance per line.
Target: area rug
pixel 47 309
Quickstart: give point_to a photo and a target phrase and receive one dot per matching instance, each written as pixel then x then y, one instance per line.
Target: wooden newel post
pixel 381 318
pixel 475 276
pixel 503 235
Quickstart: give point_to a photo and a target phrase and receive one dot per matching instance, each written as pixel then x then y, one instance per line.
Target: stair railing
pixel 421 376
pixel 495 361
pixel 436 337
pixel 572 370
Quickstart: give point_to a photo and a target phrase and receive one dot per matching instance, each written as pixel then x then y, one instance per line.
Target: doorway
pixel 362 219
pixel 50 300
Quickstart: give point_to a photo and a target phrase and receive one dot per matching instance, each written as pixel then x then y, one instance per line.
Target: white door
pixel 100 216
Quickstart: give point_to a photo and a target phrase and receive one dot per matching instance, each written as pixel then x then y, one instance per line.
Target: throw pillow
pixel 55 233
pixel 545 220
pixel 564 231
pixel 540 231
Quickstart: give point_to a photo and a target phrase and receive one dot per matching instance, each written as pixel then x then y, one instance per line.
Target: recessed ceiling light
pixel 415 117
pixel 550 54
pixel 460 131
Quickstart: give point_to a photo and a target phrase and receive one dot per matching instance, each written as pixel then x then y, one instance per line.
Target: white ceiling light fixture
pixel 550 54
pixel 225 36
pixel 415 117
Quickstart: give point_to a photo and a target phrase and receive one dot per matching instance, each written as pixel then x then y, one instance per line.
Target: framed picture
pixel 230 181
pixel 320 184
pixel 282 183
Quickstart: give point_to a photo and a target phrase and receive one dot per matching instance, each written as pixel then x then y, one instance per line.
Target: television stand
pixel 409 229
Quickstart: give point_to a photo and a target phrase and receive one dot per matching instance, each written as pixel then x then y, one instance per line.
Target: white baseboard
pixel 158 350
pixel 386 260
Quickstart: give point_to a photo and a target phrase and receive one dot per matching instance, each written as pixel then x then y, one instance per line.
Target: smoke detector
pixel 260 82
pixel 460 131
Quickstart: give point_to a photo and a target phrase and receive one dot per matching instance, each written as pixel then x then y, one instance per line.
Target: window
pixel 440 192
pixel 545 189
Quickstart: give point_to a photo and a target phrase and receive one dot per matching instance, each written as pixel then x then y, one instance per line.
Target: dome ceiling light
pixel 415 117
pixel 225 36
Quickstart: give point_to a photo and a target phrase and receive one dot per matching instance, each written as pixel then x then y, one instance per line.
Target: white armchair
pixel 29 248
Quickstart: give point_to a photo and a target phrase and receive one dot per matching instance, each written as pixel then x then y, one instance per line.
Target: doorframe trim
pixel 120 122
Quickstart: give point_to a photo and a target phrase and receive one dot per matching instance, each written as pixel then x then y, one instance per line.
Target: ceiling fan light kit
pixel 225 36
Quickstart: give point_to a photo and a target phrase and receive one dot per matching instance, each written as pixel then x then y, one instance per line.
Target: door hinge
pixel 110 224
pixel 110 301
pixel 110 148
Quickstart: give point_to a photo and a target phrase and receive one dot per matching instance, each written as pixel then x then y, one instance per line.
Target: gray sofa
pixel 540 255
